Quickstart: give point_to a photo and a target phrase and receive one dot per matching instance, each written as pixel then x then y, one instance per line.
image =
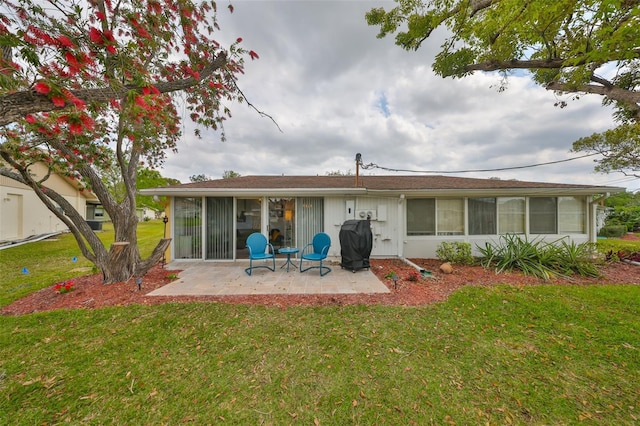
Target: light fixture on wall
pixel 288 215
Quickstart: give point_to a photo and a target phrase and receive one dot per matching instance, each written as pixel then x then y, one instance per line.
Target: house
pixel 410 215
pixel 23 214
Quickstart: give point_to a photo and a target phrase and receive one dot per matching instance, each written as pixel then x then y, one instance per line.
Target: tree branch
pixel 15 106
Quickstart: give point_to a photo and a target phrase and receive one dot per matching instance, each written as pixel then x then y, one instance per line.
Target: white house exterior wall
pixel 19 201
pixel 384 229
pixel 425 246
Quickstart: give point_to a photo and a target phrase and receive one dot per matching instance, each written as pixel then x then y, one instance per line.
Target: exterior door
pixel 11 217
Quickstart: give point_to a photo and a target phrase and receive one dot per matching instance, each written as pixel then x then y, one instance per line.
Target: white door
pixel 11 217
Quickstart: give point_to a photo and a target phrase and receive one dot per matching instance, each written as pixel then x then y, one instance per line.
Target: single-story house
pixel 23 215
pixel 410 216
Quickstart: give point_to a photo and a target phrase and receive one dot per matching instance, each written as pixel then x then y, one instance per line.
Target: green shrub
pixel 613 231
pixel 627 216
pixel 455 252
pixel 611 247
pixel 539 258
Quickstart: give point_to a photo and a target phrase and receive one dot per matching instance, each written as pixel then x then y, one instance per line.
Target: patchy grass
pixel 57 259
pixel 498 355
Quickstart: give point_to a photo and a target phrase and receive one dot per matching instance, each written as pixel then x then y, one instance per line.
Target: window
pixel 482 216
pixel 511 215
pixel 450 216
pixel 421 218
pixel 543 215
pixel 188 227
pixel 571 215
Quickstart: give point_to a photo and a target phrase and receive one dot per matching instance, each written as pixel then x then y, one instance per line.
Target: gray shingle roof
pixel 381 183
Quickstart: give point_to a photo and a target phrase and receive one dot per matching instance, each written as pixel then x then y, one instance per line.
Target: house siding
pixel 386 199
pixel 22 213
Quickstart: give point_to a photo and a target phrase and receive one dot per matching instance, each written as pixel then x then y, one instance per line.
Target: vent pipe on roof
pixel 358 161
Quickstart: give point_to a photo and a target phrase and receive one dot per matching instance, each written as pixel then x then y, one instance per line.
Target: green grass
pixel 488 355
pixel 501 355
pixel 51 261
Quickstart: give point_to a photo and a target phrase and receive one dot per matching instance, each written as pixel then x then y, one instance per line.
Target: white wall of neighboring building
pixel 22 214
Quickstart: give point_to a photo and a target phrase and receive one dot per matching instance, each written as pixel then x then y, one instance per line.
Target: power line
pixel 389 169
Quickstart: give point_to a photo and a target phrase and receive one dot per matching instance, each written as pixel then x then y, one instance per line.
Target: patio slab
pixel 226 279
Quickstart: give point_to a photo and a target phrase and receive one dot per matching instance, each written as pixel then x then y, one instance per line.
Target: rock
pixel 446 268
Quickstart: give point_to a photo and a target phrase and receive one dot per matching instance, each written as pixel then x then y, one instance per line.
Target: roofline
pixel 250 192
pixel 260 192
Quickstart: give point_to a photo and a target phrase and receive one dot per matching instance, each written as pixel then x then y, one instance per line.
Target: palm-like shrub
pixel 539 258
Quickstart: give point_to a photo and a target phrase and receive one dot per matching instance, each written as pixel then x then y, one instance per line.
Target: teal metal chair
pixel 318 251
pixel 257 245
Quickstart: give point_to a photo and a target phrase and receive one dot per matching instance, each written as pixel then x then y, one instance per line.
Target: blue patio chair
pixel 257 245
pixel 320 246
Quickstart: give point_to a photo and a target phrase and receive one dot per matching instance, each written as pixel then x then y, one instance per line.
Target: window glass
pixel 511 215
pixel 571 214
pixel 187 224
pixel 543 215
pixel 421 216
pixel 450 216
pixel 482 216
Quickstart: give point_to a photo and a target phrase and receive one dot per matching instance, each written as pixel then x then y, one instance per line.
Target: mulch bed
pixel 90 293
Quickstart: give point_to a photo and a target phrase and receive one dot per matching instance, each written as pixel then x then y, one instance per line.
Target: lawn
pixel 489 355
pixel 30 267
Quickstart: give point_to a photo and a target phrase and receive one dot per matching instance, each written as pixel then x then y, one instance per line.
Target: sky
pixel 336 90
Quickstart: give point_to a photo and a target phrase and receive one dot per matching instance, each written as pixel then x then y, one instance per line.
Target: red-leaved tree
pixel 78 78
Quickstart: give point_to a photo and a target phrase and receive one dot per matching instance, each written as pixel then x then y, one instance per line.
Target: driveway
pixel 224 279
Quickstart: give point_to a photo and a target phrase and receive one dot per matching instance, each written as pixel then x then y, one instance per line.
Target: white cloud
pixel 335 90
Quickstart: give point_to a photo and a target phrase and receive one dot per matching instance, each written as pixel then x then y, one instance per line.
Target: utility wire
pixel 389 169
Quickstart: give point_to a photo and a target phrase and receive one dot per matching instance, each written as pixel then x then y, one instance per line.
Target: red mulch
pixel 89 293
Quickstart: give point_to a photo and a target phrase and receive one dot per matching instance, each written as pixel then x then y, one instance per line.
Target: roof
pixel 326 185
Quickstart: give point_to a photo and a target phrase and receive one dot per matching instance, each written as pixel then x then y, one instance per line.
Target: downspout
pixel 423 272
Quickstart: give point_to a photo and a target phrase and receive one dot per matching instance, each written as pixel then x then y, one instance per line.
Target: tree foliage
pixel 569 46
pixel 79 79
pixel 199 178
pixel 230 174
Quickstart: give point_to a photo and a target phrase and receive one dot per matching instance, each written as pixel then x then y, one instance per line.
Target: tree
pixel 569 46
pixel 149 178
pixel 339 173
pixel 230 174
pixel 619 147
pixel 78 79
pixel 199 178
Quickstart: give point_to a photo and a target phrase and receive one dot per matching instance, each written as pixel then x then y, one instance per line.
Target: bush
pixel 455 252
pixel 611 248
pixel 627 216
pixel 539 258
pixel 613 231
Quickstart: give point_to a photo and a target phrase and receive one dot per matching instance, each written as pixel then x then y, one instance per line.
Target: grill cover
pixel 356 243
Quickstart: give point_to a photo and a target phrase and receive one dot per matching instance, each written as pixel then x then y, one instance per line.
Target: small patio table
pixel 288 251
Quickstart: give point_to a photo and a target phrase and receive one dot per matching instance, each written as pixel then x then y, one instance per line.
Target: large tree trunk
pixel 123 261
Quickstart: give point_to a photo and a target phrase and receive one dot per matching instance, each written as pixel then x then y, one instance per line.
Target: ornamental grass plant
pixel 539 258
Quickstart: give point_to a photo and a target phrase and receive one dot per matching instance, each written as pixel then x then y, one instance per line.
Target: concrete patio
pixel 225 279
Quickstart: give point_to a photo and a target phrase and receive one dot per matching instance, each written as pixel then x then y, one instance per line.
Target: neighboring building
pixel 23 214
pixel 410 215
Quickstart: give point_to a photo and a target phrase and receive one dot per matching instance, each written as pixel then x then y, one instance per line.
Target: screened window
pixel 219 230
pixel 543 215
pixel 482 216
pixel 511 215
pixel 450 216
pixel 571 215
pixel 309 219
pixel 421 218
pixel 188 228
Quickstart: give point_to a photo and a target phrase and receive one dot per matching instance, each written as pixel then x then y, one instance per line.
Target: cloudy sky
pixel 335 90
